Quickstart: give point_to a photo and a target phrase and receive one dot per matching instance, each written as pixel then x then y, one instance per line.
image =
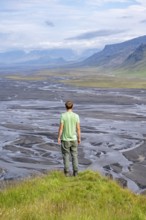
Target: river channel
pixel 113 125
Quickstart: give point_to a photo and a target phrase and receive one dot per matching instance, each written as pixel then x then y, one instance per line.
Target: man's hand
pixel 59 141
pixel 60 133
pixel 79 133
pixel 79 141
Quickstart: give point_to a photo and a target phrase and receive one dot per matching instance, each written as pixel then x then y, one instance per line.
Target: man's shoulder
pixel 65 114
pixel 76 114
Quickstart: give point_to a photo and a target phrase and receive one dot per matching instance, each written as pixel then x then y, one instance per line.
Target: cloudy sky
pixel 77 24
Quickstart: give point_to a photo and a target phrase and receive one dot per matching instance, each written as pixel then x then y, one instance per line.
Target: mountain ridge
pixel 114 55
pixel 124 55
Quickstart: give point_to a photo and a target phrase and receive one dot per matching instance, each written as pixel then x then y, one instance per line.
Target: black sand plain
pixel 113 124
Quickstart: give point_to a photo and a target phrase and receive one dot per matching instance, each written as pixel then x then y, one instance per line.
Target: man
pixel 69 136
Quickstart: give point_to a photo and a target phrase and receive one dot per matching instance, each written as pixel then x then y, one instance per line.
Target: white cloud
pixel 47 23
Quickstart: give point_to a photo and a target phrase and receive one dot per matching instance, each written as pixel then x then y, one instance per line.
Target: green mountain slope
pixel 114 55
pixel 136 62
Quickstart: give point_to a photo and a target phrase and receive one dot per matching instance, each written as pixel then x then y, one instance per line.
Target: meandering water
pixel 113 122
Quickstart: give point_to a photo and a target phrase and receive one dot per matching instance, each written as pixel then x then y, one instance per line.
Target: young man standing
pixel 69 136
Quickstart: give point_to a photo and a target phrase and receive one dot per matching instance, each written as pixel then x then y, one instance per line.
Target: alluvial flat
pixel 113 125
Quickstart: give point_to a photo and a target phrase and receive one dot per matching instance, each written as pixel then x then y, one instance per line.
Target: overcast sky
pixel 77 24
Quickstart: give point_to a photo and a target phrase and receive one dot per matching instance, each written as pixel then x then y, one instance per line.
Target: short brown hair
pixel 69 104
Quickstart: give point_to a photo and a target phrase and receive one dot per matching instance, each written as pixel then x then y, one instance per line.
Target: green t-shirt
pixel 69 121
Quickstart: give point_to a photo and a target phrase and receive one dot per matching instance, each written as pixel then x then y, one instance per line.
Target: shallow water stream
pixel 113 124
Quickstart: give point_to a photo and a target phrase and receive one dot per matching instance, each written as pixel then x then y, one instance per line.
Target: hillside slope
pixel 54 196
pixel 114 55
pixel 137 60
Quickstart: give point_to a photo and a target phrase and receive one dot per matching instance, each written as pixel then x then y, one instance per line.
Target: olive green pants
pixel 70 148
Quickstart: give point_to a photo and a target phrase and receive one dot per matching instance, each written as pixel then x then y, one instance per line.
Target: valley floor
pixel 112 123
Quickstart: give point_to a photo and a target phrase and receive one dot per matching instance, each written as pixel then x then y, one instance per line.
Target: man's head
pixel 69 105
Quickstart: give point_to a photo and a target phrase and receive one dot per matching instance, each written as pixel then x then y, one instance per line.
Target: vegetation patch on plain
pixel 88 77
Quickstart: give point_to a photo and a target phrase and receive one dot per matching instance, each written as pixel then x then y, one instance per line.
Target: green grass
pixel 56 197
pixel 90 77
pixel 26 78
pixel 109 82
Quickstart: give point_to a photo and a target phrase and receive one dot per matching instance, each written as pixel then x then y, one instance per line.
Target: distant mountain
pixel 87 53
pixel 128 54
pixel 42 57
pixel 115 55
pixel 138 57
pixel 47 57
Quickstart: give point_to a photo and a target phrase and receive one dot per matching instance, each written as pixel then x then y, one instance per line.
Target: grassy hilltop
pixel 54 196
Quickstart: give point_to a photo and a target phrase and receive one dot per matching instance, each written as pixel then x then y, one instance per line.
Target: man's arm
pixel 60 130
pixel 78 133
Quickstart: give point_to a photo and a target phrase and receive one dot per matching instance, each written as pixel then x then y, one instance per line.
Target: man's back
pixel 69 120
